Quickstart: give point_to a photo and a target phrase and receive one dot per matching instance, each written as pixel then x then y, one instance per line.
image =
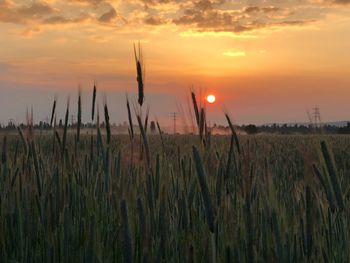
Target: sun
pixel 211 98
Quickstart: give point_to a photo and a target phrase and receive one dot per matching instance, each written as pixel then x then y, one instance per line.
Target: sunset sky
pixel 266 61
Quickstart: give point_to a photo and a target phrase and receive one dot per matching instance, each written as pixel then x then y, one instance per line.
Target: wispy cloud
pixel 231 53
pixel 198 34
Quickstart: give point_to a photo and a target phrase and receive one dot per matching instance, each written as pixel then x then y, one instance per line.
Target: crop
pixel 68 196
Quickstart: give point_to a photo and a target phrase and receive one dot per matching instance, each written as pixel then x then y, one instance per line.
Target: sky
pixel 266 61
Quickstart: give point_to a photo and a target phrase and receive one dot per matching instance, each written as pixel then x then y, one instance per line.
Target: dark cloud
pixel 236 16
pixel 108 16
pixel 158 2
pixel 198 15
pixel 181 2
pixel 93 2
pixel 38 13
pixel 295 22
pixel 343 2
pixel 154 21
pixel 221 15
pixel 206 15
pixel 64 20
pixel 204 5
pixel 270 9
pixel 36 9
pixel 253 10
pixel 23 14
pixel 227 23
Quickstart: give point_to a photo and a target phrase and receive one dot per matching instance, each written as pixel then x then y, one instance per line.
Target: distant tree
pixel 344 130
pixel 251 129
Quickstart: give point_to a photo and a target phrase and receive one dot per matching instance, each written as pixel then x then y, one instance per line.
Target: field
pixel 155 169
pixel 104 198
pixel 68 196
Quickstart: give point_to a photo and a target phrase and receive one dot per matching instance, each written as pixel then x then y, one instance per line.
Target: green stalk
pixel 195 107
pixel 204 188
pixel 79 116
pixel 108 126
pixel 145 141
pixel 233 133
pixel 93 102
pixel 130 118
pixel 140 74
pixel 330 165
pixel 64 140
pixel 53 110
pixel 127 243
pixel 309 222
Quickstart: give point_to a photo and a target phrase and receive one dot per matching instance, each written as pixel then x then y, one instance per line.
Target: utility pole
pixel 174 116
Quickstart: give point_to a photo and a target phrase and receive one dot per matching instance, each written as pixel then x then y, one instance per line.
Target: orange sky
pixel 266 61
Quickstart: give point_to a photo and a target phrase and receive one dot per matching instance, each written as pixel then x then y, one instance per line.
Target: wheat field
pixel 71 197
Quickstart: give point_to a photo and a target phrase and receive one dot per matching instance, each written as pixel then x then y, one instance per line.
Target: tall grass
pixel 91 208
pixel 79 116
pixel 243 199
pixel 53 110
pixel 140 70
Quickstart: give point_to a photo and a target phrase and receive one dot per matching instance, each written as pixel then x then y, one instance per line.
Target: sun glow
pixel 211 98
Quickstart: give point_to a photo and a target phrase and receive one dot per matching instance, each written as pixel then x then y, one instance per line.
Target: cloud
pixel 191 33
pixel 55 20
pixel 218 16
pixel 154 20
pixel 23 14
pixel 215 21
pixel 39 14
pixel 30 32
pixel 236 16
pixel 161 2
pixel 215 16
pixel 343 2
pixel 234 54
pixel 108 16
pixel 90 2
pixel 36 9
pixel 256 9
